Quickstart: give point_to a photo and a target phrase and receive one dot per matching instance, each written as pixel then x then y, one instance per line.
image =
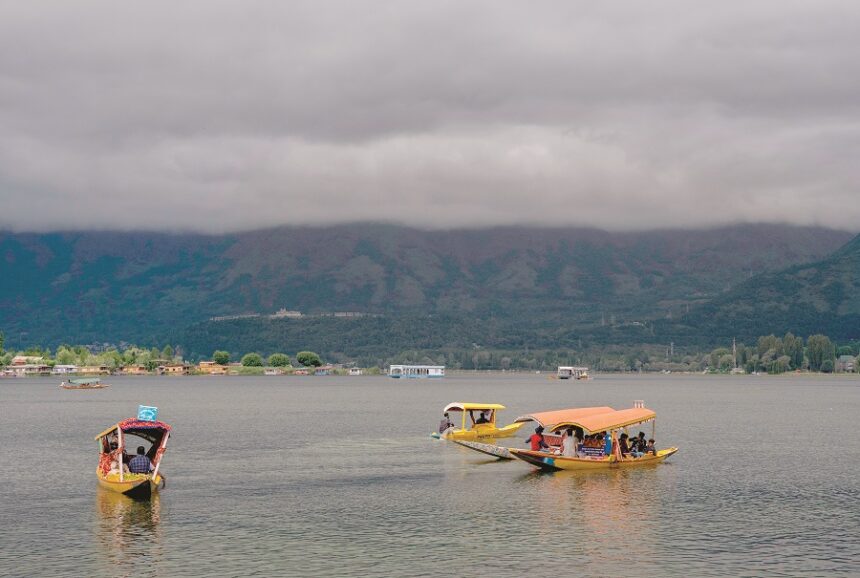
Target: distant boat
pixel 416 371
pixel 569 372
pixel 84 383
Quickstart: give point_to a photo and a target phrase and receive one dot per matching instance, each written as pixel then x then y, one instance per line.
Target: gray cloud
pixel 219 116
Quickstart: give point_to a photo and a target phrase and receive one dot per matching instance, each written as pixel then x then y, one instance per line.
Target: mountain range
pixel 80 287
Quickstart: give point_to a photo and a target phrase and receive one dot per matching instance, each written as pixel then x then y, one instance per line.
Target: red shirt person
pixel 536 440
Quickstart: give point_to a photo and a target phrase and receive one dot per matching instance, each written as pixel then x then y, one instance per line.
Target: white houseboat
pixel 416 371
pixel 567 372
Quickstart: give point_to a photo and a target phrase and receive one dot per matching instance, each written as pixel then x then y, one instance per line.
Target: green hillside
pixel 819 297
pixel 144 287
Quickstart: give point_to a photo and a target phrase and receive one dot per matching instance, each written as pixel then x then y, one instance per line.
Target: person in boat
pixel 536 440
pixel 623 445
pixel 445 424
pixel 640 442
pixel 483 417
pixel 650 448
pixel 140 464
pixel 607 443
pixel 569 443
pixel 116 461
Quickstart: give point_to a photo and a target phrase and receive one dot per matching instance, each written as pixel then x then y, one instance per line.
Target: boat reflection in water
pixel 129 533
pixel 606 517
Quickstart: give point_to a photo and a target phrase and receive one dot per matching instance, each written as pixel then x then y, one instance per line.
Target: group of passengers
pixel 138 464
pixel 486 416
pixel 636 447
pixel 575 444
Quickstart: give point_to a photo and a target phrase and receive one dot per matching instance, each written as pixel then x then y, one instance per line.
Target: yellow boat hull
pixel 550 462
pixel 133 485
pixel 481 431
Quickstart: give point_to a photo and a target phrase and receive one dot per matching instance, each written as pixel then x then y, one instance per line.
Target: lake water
pixel 337 476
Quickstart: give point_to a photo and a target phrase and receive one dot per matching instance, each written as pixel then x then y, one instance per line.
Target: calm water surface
pixel 337 476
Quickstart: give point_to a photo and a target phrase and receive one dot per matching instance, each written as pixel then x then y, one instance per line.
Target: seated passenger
pixel 569 443
pixel 140 464
pixel 650 449
pixel 622 444
pixel 483 418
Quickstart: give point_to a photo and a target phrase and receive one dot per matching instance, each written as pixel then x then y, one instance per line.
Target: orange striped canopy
pixel 551 418
pixel 609 420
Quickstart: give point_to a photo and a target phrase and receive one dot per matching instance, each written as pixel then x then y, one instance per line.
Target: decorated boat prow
pixel 500 452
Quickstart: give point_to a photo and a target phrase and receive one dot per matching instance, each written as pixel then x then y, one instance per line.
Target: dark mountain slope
pixel 79 287
pixel 818 297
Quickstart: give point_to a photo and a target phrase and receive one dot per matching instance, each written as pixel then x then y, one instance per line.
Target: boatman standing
pixel 536 440
pixel 445 424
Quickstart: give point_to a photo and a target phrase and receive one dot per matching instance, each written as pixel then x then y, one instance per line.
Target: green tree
pixel 781 365
pixel 768 342
pixel 167 352
pixel 1 343
pixel 279 360
pixel 65 356
pixel 819 349
pixel 793 347
pixel 252 360
pixel 308 358
pixel 716 355
pixel 827 366
pixel 221 357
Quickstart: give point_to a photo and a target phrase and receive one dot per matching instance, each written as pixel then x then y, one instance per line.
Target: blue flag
pixel 147 413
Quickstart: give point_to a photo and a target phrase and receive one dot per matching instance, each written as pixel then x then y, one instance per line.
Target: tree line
pixel 770 353
pixel 774 354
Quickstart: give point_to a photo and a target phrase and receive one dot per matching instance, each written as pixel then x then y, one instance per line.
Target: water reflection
pixel 598 513
pixel 129 533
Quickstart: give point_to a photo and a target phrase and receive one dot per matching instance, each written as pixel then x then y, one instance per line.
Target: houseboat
pixel 568 372
pixel 416 371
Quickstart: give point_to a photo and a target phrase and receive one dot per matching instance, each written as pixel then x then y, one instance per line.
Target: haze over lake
pixel 336 476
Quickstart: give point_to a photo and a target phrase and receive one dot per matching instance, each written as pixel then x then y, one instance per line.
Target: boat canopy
pixel 550 418
pixel 609 420
pixel 148 430
pixel 85 380
pixel 468 406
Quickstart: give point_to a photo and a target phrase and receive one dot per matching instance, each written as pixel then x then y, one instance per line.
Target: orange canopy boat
pixel 592 420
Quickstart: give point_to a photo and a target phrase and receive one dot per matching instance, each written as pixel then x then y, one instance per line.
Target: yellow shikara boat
pixel 482 426
pixel 112 472
pixel 593 421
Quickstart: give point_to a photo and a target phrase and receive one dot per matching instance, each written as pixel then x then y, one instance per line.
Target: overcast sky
pixel 223 116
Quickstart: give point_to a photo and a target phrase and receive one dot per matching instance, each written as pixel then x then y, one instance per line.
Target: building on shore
pixel 64 369
pixel 211 368
pixel 94 370
pixel 134 370
pixel 174 369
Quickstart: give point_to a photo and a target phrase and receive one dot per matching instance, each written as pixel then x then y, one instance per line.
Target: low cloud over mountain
pixel 217 116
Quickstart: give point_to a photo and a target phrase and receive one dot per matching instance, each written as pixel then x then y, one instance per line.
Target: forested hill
pixel 818 297
pixel 139 287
